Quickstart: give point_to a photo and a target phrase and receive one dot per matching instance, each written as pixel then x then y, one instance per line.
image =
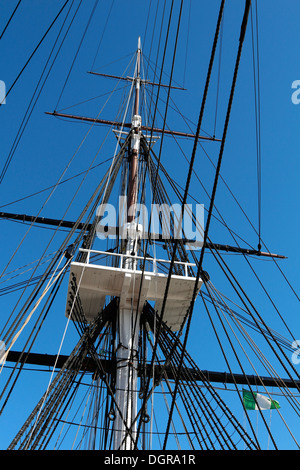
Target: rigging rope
pixel 229 106
pixel 78 49
pixel 61 384
pixel 34 99
pixel 201 410
pixel 236 241
pixel 57 184
pixel 36 48
pixel 256 80
pixel 280 383
pixel 219 74
pixel 11 17
pixel 184 201
pixel 63 246
pixel 187 42
pixel 257 319
pixel 47 288
pixel 102 36
pixel 235 353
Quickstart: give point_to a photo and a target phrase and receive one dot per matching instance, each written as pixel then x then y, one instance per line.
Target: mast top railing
pixel 151 261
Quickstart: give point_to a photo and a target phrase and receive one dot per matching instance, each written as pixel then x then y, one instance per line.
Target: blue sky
pixel 48 143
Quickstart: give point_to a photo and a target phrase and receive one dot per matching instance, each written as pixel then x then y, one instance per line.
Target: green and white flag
pixel 256 401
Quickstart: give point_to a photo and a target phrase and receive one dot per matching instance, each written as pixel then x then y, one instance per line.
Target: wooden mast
pixel 135 144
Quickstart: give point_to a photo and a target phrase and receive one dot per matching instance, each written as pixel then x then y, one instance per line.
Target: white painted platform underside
pixel 95 282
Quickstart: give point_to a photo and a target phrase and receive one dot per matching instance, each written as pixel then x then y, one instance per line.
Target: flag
pixel 256 401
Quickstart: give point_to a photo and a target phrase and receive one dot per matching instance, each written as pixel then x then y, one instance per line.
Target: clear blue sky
pixel 48 143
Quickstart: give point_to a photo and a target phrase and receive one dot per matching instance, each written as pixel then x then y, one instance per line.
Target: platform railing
pixel 122 257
